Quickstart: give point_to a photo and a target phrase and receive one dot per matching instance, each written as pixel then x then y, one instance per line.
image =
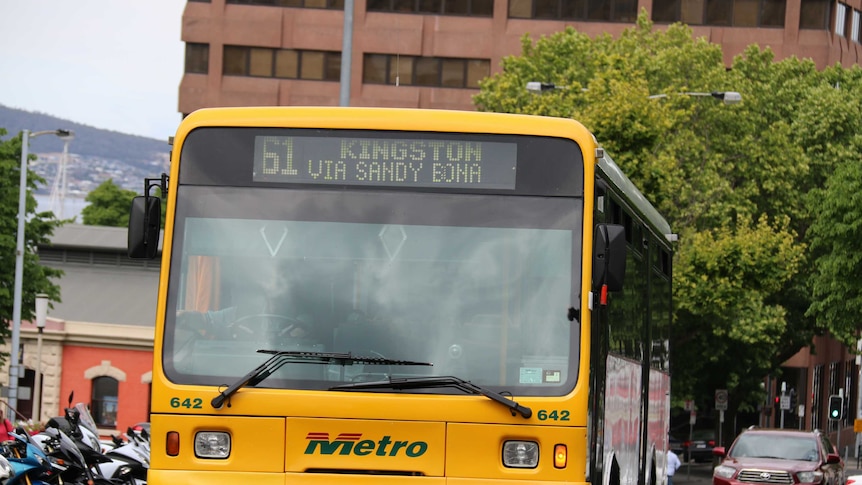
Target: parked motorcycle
pixel 130 457
pixel 70 465
pixel 27 461
pixel 5 469
pixel 74 438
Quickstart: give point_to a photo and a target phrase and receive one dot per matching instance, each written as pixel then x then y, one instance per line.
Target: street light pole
pixel 41 315
pixel 14 367
pixel 729 97
pixel 66 141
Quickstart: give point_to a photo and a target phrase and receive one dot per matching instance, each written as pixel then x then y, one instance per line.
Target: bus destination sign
pixel 385 162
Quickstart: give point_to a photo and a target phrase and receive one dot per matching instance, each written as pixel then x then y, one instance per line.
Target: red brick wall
pixel 133 394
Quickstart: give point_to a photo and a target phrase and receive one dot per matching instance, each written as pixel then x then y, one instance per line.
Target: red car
pixel 778 456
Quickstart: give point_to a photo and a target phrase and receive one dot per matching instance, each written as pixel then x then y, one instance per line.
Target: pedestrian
pixel 673 465
pixel 5 427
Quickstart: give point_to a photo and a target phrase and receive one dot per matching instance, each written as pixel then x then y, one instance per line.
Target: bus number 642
pixel 196 403
pixel 553 415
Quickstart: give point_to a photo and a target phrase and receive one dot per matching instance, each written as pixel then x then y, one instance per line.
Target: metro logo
pixel 353 444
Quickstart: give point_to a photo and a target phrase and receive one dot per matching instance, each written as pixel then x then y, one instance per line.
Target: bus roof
pixel 635 196
pixel 402 119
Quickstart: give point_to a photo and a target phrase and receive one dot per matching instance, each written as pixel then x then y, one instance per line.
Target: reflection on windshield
pixel 771 446
pixel 485 304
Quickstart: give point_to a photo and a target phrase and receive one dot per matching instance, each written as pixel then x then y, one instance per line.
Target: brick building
pixel 432 53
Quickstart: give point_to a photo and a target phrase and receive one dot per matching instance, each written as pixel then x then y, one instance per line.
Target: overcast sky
pixel 111 64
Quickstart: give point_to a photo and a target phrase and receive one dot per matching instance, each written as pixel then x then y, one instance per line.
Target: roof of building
pixel 100 283
pixel 92 237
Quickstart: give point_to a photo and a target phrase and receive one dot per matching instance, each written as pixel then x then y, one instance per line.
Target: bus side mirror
pixel 609 257
pixel 144 222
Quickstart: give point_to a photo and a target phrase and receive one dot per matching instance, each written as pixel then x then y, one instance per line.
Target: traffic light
pixel 836 407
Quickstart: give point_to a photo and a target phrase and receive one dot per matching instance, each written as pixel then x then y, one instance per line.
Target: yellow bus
pixel 374 295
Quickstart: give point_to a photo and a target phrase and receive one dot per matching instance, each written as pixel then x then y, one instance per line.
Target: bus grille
pixel 765 476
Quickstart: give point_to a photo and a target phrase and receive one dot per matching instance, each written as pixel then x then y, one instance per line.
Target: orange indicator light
pixel 172 444
pixel 560 456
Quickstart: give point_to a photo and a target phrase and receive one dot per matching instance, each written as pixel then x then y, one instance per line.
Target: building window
pixel 104 401
pixel 281 63
pixel 325 4
pixel 718 12
pixel 735 13
pixel 589 10
pixel 854 27
pixel 235 61
pixel 473 8
pixel 814 14
pixel 840 19
pixel 286 64
pixel 424 71
pixel 260 62
pixel 772 13
pixel 665 11
pixel 197 58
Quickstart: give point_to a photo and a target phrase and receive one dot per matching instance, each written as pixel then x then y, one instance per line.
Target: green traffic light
pixel 836 403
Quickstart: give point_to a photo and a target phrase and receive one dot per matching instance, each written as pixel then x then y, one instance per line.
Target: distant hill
pixel 89 142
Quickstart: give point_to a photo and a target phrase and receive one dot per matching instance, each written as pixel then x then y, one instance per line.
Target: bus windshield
pixel 479 285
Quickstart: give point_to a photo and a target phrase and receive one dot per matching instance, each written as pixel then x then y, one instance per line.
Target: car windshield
pixel 772 446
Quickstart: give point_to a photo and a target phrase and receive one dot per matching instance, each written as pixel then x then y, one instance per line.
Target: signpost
pixel 721 405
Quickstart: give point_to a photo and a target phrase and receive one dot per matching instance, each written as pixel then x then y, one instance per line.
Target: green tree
pixel 731 179
pixel 108 205
pixel 40 226
pixel 836 241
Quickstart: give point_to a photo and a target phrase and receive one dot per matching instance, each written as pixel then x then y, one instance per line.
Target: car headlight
pixel 212 444
pixel 521 454
pixel 724 471
pixel 813 476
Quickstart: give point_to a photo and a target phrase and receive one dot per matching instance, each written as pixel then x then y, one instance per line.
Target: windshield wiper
pixel 280 358
pixel 437 381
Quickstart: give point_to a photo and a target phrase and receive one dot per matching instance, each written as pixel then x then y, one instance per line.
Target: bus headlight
pixel 212 444
pixel 521 454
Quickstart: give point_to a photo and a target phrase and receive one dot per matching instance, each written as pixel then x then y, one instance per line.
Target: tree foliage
pixel 732 180
pixel 108 205
pixel 836 241
pixel 38 229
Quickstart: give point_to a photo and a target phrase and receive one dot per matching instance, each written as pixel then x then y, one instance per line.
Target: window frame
pixel 328 4
pixel 406 67
pixel 586 10
pixel 99 397
pixel 461 8
pixel 329 67
pixel 723 13
pixel 197 57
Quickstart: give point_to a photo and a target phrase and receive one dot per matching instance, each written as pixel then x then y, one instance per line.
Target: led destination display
pixel 385 162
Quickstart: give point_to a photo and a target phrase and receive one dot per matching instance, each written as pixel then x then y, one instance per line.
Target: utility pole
pixel 346 53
